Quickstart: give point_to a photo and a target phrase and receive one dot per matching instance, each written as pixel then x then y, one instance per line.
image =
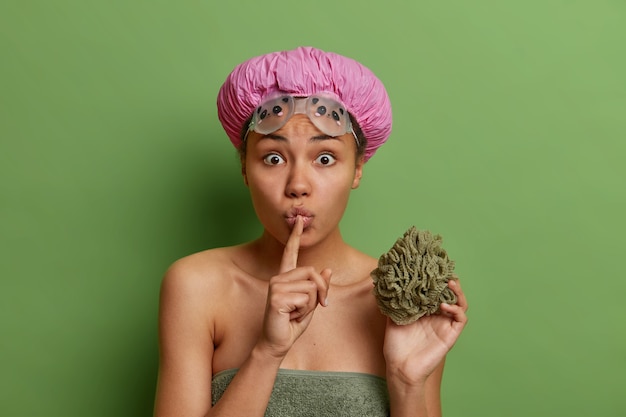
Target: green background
pixel 509 140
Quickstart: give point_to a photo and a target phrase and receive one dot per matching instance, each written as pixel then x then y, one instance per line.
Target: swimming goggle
pixel 327 114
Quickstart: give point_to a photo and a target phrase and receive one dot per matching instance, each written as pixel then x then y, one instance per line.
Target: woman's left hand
pixel 413 351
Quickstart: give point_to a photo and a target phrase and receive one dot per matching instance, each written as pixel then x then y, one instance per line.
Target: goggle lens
pixel 327 114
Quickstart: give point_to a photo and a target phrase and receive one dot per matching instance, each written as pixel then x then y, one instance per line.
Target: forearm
pixel 407 400
pixel 249 392
pixel 415 398
pixel 412 402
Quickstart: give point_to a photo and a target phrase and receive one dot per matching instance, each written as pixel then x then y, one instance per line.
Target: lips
pixel 292 215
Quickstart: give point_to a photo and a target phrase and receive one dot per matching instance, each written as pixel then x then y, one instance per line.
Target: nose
pixel 298 184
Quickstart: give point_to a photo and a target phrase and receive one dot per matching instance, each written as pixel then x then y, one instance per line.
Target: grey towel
pixel 313 393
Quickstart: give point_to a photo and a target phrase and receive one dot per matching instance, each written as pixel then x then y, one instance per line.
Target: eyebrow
pixel 316 138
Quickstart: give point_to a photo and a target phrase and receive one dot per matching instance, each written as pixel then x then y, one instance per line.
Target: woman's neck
pixel 331 252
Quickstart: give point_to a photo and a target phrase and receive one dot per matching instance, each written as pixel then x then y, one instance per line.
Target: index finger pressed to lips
pixel 290 254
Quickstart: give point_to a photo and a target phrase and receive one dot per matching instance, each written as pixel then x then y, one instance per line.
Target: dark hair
pixel 360 149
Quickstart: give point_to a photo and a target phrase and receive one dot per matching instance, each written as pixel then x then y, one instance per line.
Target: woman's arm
pixel 415 356
pixel 186 337
pixel 417 400
pixel 186 341
pixel 185 344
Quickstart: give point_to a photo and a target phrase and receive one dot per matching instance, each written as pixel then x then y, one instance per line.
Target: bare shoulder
pixel 192 286
pixel 188 304
pixel 354 275
pixel 367 261
pixel 363 264
pixel 201 269
pixel 193 295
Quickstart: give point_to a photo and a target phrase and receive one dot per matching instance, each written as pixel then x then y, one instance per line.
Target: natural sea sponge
pixel 412 278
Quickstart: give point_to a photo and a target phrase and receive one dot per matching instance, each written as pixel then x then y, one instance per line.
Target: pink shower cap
pixel 302 72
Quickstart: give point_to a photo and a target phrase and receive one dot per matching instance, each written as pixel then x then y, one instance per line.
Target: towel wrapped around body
pixel 299 393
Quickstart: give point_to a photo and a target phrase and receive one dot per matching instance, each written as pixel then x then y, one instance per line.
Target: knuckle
pixel 275 303
pixel 274 285
pixel 276 289
pixel 275 280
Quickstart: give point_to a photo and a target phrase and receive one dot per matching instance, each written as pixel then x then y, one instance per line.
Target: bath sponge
pixel 411 279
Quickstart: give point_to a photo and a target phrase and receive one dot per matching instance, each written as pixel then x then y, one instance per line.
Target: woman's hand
pixel 413 351
pixel 292 298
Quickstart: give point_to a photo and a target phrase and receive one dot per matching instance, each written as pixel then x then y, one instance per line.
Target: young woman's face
pixel 298 170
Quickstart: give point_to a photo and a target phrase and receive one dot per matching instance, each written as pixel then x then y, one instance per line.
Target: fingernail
pixel 326 302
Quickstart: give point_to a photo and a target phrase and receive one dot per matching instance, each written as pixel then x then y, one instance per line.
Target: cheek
pixel 340 181
pixel 262 190
pixel 336 193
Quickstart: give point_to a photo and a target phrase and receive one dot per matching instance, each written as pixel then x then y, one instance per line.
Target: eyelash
pixel 328 155
pixel 267 159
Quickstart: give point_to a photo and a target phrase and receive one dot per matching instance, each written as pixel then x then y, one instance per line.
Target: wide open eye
pixel 273 159
pixel 325 159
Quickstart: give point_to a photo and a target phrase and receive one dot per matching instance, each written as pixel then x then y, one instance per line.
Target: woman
pixel 287 324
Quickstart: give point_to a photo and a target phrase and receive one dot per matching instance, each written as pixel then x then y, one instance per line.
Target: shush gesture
pixel 293 296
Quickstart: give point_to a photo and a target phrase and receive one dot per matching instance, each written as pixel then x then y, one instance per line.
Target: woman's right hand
pixel 292 298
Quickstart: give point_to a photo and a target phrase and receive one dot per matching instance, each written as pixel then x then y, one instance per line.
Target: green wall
pixel 509 140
